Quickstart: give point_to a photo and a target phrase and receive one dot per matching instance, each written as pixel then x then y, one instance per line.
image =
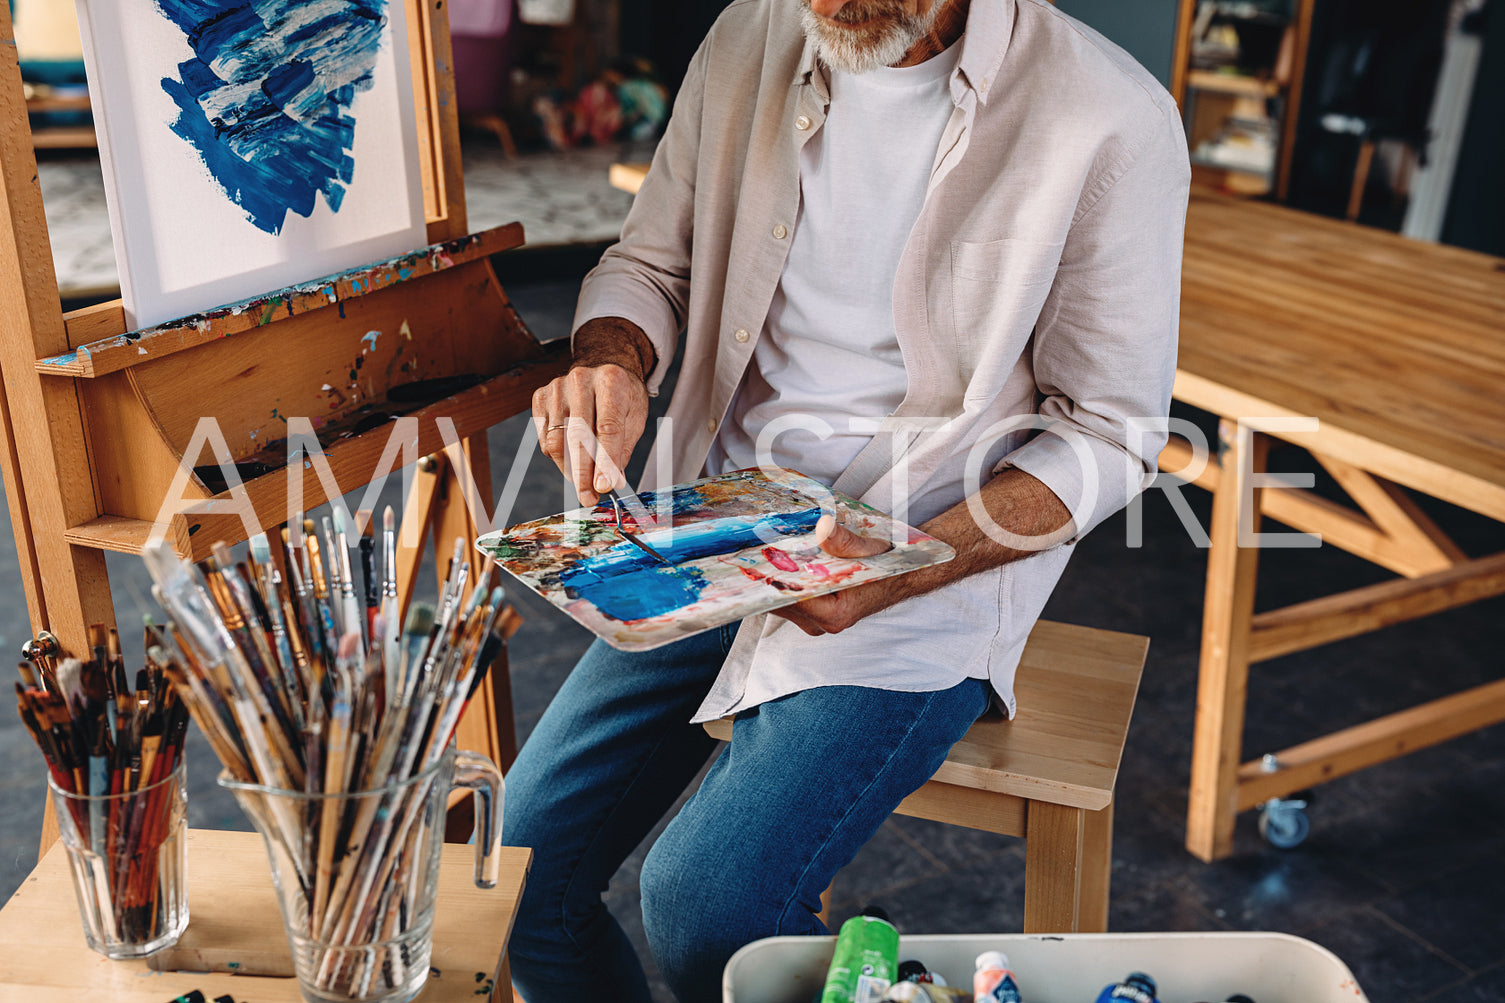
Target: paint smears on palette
pixel 736 545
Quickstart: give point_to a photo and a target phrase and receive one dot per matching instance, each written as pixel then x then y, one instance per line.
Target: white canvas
pixel 183 242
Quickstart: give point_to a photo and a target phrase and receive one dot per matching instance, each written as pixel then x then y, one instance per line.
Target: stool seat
pixel 1075 690
pixel 1048 774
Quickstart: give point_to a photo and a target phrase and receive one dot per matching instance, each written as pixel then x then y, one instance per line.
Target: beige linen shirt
pixel 1035 304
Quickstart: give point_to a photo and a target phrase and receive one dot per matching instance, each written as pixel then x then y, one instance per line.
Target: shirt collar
pixel 983 42
pixel 986 38
pixel 810 70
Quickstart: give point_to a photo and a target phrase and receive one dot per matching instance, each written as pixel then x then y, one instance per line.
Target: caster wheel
pixel 1284 823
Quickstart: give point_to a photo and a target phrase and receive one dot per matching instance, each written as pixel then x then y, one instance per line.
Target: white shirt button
pixel 741 334
pixel 710 425
pixel 780 232
pixel 984 85
pixel 802 123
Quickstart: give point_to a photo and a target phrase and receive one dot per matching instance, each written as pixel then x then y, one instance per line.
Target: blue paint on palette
pixel 266 100
pixel 638 593
pixel 626 584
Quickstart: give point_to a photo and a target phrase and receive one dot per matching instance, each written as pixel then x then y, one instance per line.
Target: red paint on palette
pixel 779 559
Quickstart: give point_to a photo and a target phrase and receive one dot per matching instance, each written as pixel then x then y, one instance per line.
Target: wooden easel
pixel 96 420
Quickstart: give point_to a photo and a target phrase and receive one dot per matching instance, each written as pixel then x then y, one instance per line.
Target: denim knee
pixel 699 909
pixel 689 917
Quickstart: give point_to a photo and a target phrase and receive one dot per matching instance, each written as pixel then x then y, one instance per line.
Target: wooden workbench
pixel 1397 349
pixel 233 914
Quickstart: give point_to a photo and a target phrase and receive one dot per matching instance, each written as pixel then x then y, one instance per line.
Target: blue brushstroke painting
pixel 626 584
pixel 266 100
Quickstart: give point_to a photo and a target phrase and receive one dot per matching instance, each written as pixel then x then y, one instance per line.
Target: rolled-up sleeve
pixel 645 276
pixel 1104 352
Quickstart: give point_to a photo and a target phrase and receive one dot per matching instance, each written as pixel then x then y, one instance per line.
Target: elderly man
pixel 923 251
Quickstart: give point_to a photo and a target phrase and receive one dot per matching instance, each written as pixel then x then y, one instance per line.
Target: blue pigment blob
pixel 638 594
pixel 266 101
pixel 626 584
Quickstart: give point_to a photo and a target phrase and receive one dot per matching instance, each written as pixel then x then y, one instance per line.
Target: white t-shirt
pixel 828 352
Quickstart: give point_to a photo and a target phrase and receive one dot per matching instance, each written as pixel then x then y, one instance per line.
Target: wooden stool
pixel 1048 774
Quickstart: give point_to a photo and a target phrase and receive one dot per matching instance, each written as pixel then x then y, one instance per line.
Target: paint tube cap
pixel 992 959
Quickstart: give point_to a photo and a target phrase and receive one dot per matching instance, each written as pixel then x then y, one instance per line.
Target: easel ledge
pixel 117 351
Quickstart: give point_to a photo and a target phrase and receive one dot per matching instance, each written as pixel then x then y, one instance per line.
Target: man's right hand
pixel 590 418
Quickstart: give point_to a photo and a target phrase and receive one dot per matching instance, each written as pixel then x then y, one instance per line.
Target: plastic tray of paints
pixel 1073 968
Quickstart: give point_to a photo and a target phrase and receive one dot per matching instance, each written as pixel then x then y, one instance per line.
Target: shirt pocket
pixel 998 288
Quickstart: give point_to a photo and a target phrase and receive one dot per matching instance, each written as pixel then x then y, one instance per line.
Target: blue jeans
pixel 806 781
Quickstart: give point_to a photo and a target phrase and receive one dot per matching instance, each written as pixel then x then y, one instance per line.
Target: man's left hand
pixel 836 611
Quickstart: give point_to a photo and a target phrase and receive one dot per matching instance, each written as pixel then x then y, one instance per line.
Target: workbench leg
pixel 1228 609
pixel 1052 867
pixel 1097 871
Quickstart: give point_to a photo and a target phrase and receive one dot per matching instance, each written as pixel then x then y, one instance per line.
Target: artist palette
pixel 732 546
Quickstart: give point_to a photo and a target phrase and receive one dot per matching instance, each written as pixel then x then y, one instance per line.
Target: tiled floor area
pixel 1403 875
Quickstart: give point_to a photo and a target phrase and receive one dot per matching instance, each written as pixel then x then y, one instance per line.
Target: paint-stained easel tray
pixel 733 546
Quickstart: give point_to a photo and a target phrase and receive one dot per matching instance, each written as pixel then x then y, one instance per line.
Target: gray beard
pixel 859 50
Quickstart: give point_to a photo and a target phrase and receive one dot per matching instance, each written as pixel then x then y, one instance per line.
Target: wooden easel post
pixel 48 482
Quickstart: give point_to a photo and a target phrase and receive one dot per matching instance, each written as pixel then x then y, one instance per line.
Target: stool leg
pixel 1052 867
pixel 1097 871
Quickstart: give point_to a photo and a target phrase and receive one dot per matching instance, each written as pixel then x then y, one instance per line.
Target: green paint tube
pixel 865 963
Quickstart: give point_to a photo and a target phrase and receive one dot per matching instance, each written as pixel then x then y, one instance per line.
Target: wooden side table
pixel 234 927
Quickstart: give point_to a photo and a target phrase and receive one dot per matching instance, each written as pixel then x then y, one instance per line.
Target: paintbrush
pixel 305 628
pixel 185 594
pixel 350 608
pixel 323 601
pixel 262 683
pixel 43 735
pixel 331 556
pixel 315 568
pixel 268 589
pixel 617 504
pixel 459 570
pixel 209 709
pixel 336 751
pixel 390 605
pixel 365 528
pixel 116 665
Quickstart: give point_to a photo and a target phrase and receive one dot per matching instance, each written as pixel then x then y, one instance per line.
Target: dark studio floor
pixel 1403 875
